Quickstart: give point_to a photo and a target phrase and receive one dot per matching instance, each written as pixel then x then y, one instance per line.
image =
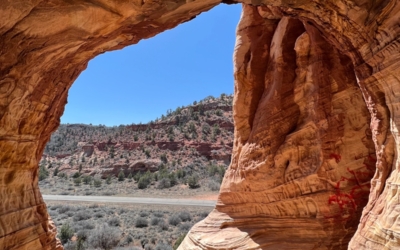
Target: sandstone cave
pixel 314 164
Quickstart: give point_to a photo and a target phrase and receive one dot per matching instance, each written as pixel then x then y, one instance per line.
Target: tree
pixel 121 176
pixel 147 153
pixel 201 109
pixel 108 181
pixel 130 177
pixel 43 172
pixel 78 181
pixel 206 129
pixel 112 152
pixel 87 179
pixel 164 158
pixel 216 129
pixel 76 175
pixel 55 173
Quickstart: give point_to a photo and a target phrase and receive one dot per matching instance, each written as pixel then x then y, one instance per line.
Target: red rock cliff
pixel 316 116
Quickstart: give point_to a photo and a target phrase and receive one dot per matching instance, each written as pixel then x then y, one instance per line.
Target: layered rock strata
pixel 310 76
pixel 302 163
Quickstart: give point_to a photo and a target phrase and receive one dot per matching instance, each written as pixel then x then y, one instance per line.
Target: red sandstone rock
pixel 132 168
pixel 309 78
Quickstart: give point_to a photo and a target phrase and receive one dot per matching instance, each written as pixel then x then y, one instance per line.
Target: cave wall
pixel 304 156
pixel 315 110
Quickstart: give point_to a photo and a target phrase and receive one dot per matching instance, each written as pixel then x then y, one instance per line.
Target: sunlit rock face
pixel 316 116
pixel 302 164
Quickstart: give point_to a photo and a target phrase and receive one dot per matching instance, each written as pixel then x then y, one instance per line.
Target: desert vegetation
pixel 162 183
pixel 185 152
pixel 182 154
pixel 134 227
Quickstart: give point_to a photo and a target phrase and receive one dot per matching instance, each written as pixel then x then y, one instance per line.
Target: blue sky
pixel 140 82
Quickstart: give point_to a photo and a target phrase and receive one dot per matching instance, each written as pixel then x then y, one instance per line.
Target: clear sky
pixel 140 82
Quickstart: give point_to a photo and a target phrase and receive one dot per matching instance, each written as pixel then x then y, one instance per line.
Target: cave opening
pixel 302 144
pixel 186 71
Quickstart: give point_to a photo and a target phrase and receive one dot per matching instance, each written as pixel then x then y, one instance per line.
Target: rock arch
pixel 309 76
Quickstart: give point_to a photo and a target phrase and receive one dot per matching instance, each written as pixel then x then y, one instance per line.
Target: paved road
pixel 132 200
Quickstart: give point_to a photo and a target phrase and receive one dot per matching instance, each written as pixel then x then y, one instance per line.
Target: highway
pixel 131 200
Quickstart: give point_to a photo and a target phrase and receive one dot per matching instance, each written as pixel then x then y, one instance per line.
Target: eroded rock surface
pixel 310 76
pixel 308 155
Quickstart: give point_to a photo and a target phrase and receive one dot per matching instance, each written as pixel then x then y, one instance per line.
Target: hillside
pixel 187 148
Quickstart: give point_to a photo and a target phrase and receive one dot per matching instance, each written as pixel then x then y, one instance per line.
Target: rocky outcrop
pixel 308 155
pixel 133 168
pixel 310 76
pixel 88 150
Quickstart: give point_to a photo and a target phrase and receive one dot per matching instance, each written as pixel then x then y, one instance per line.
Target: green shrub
pixel 112 152
pixel 137 176
pixel 154 221
pixel 185 227
pixel 174 220
pixel 108 180
pixel 163 246
pixel 179 241
pixel 216 130
pixel 121 176
pixel 55 173
pixel 114 222
pixel 164 183
pixel 76 175
pixel 163 225
pixel 164 158
pixel 82 237
pixel 66 233
pixel 193 182
pixel 143 214
pixel 185 216
pixel 77 181
pixel 213 185
pixel 144 180
pixel 206 129
pixel 87 179
pixel 81 215
pixel 180 173
pixel 147 153
pixel 97 183
pixel 141 222
pixel 62 175
pixel 172 179
pixel 158 214
pixel 99 215
pixel 104 238
pixel 43 172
